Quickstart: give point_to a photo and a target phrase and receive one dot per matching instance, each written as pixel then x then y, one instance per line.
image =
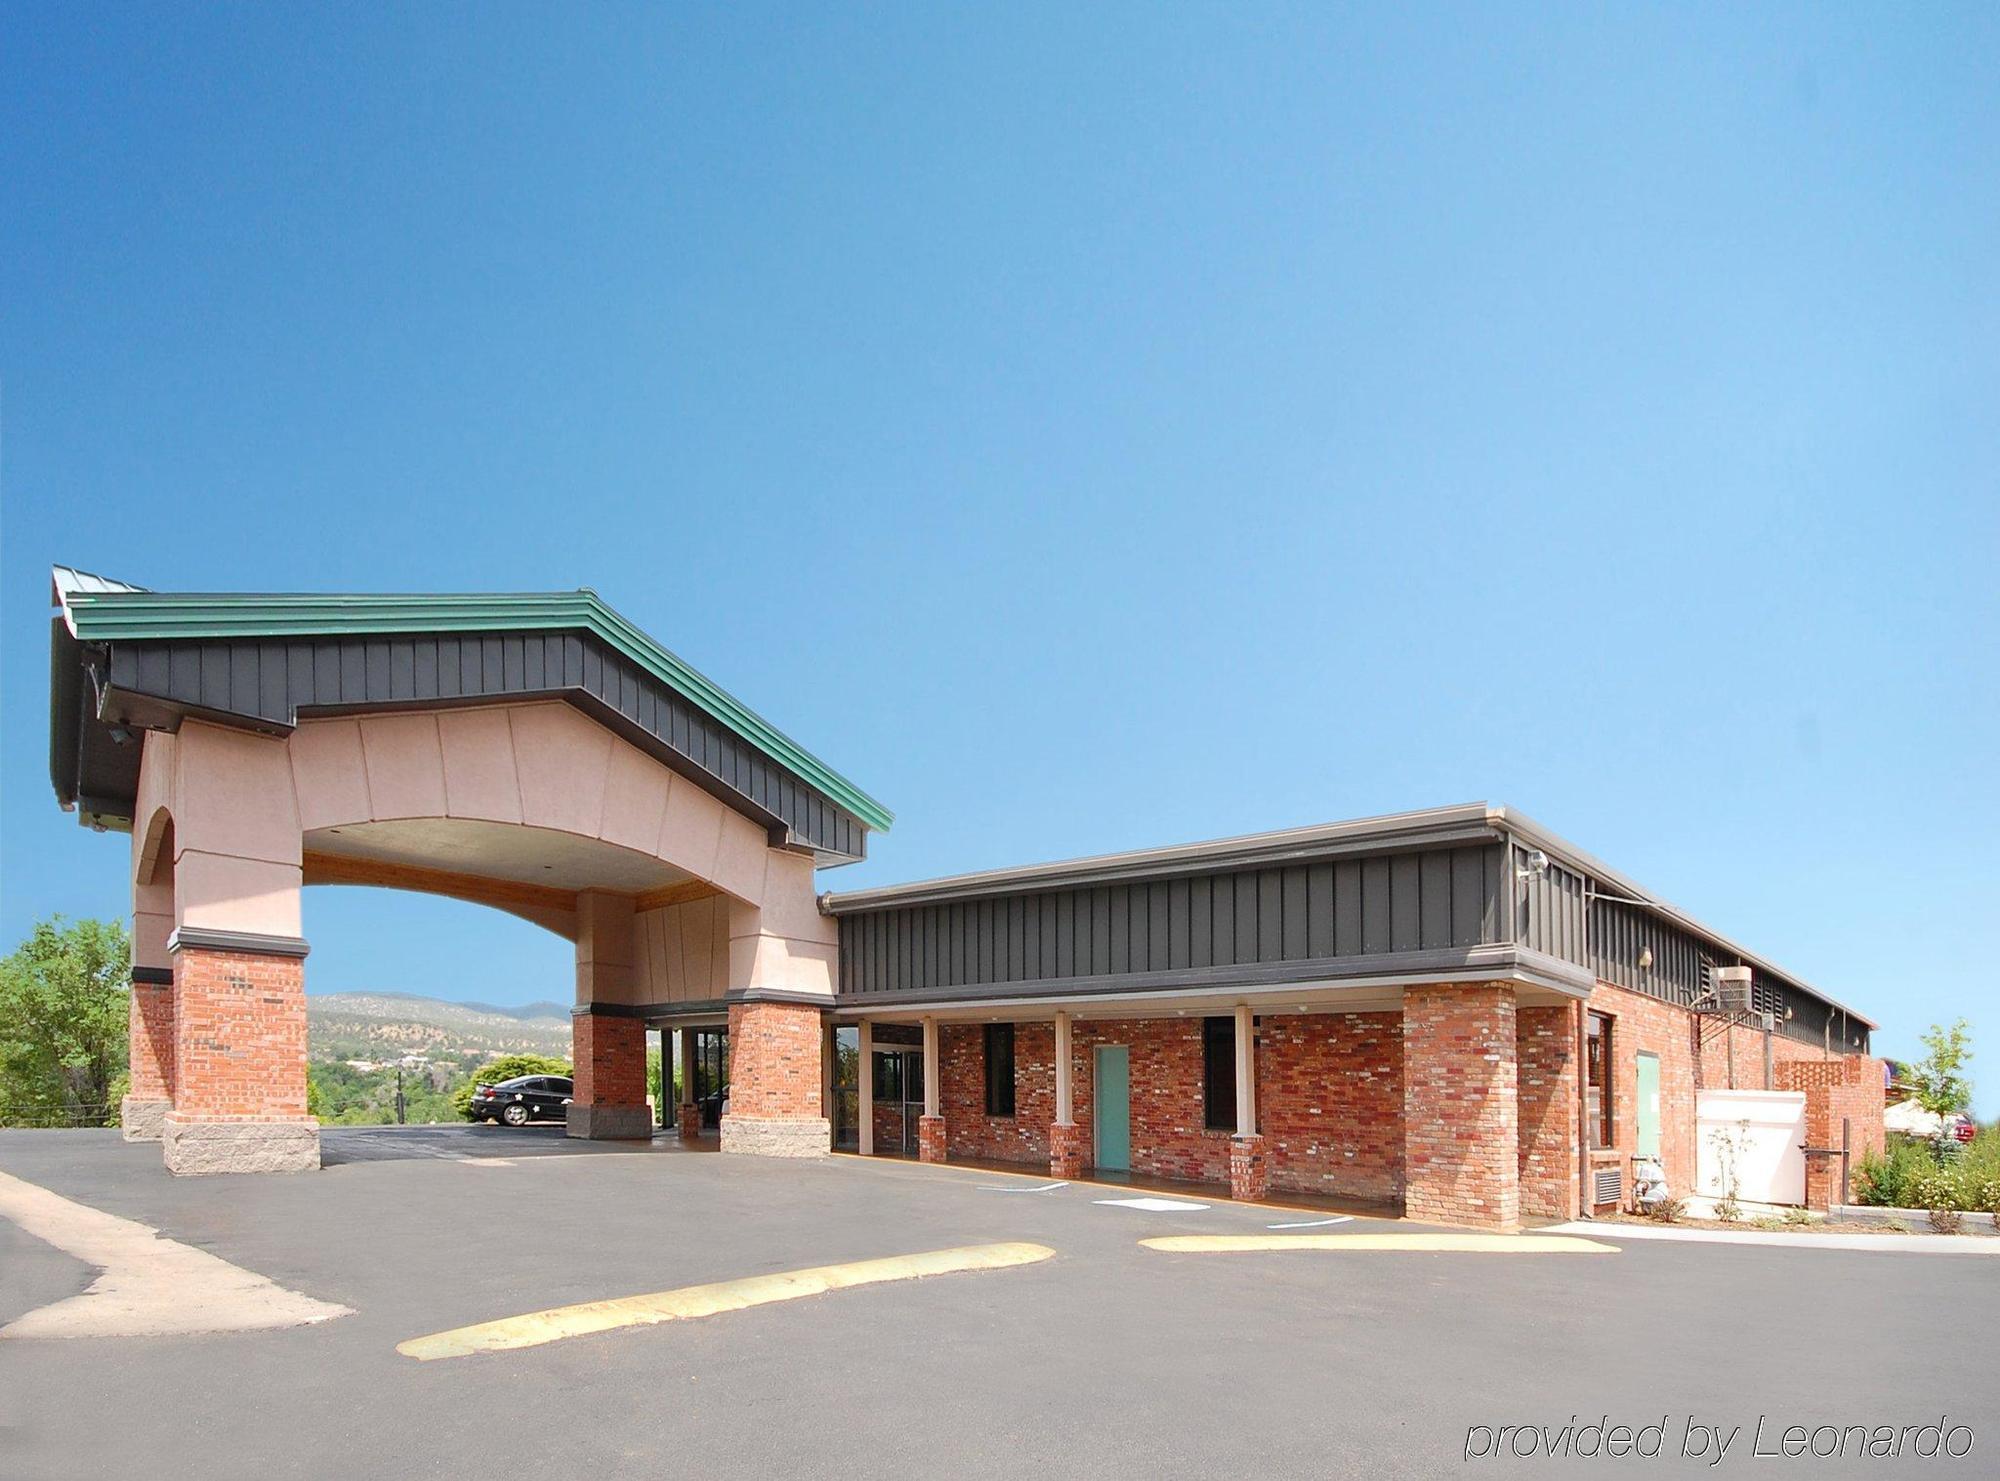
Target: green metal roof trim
pixel 109 616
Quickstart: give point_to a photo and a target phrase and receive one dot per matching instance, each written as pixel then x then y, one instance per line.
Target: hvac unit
pixel 1732 989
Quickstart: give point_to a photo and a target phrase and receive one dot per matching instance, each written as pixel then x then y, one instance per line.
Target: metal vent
pixel 1608 1186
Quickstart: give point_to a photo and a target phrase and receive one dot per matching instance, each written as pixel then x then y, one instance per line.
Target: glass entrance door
pixel 711 1073
pixel 899 1099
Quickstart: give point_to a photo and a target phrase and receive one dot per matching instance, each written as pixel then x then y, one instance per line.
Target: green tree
pixel 506 1067
pixel 1938 1081
pixel 64 995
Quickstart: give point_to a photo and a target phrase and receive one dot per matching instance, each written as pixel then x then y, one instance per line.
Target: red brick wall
pixel 1329 1093
pixel 239 1034
pixel 150 1039
pixel 1849 1087
pixel 1460 1104
pixel 1330 1103
pixel 971 1133
pixel 1546 1077
pixel 609 1055
pixel 1690 1047
pixel 1639 1022
pixel 1168 1138
pixel 774 1060
pixel 888 1120
pixel 1732 1057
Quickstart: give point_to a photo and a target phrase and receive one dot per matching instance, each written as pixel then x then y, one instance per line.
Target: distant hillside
pixel 376 1025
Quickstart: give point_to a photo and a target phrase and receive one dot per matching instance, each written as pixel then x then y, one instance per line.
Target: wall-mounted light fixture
pixel 1645 957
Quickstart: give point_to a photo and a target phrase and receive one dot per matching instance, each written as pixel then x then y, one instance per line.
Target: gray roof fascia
pixel 1433 827
pixel 1528 831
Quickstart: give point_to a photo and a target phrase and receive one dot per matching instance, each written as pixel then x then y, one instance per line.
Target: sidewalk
pixel 1906 1244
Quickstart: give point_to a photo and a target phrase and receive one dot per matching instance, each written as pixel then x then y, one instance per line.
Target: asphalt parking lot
pixel 1106 1358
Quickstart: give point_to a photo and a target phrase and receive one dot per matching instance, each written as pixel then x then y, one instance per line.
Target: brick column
pixel 1845 1089
pixel 1249 1169
pixel 930 1139
pixel 609 1102
pixel 239 1062
pixel 1460 1114
pixel 150 1045
pixel 1546 1071
pixel 1068 1150
pixel 687 1121
pixel 774 1081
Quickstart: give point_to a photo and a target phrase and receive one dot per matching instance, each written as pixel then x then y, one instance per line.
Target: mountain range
pixel 379 1025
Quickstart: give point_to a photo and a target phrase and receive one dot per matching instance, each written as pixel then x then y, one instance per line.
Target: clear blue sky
pixel 1084 427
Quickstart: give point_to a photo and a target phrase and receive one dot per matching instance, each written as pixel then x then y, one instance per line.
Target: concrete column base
pixel 1066 1150
pixel 143 1117
pixel 196 1147
pixel 777 1136
pixel 687 1122
pixel 1249 1169
pixel 611 1123
pixel 930 1139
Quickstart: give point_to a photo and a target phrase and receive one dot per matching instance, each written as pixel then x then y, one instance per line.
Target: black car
pixel 523 1099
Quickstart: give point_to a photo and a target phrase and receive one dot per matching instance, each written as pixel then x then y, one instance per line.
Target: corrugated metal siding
pixel 272 679
pixel 1550 914
pixel 1680 973
pixel 1619 933
pixel 1300 912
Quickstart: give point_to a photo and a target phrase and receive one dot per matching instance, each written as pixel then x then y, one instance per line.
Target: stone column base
pixel 1066 1149
pixel 777 1136
pixel 687 1121
pixel 1249 1170
pixel 610 1123
pixel 930 1139
pixel 143 1117
pixel 196 1147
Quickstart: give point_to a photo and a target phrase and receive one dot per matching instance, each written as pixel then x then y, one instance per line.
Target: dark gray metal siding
pixel 1680 970
pixel 1294 913
pixel 271 680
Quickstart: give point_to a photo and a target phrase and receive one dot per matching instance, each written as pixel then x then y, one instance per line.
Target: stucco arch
pixel 676 902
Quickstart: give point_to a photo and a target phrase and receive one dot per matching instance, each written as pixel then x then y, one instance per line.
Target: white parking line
pixel 1314 1223
pixel 148 1286
pixel 1153 1205
pixel 997 1188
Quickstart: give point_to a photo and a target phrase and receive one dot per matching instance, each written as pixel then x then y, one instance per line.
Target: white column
pixel 932 1098
pixel 865 1100
pixel 1246 1072
pixel 1064 1107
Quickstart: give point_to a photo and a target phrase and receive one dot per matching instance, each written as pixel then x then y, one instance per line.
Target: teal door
pixel 1111 1109
pixel 1649 1106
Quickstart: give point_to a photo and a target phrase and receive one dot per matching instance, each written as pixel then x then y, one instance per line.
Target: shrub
pixel 1982 1194
pixel 1727 1209
pixel 1668 1210
pixel 1937 1191
pixel 1796 1216
pixel 1945 1220
pixel 1884 1180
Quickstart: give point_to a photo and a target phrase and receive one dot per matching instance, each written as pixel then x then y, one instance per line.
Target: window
pixel 1218 1073
pixel 1597 1064
pixel 999 1069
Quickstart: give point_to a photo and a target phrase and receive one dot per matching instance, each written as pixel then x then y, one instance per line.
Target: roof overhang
pixel 1326 986
pixel 1437 827
pixel 94 767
